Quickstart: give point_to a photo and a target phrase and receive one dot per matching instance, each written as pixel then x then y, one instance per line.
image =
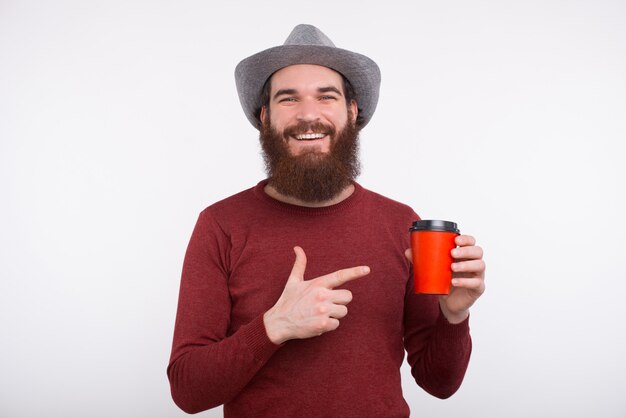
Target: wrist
pixel 272 329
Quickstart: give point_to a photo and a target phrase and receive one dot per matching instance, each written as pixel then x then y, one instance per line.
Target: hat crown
pixel 308 35
pixel 306 44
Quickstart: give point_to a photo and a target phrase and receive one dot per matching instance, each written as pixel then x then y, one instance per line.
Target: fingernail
pixel 365 270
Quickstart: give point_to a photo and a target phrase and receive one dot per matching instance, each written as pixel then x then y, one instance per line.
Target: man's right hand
pixel 309 308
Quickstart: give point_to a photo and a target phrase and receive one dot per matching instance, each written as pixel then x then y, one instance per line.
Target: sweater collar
pixel 349 202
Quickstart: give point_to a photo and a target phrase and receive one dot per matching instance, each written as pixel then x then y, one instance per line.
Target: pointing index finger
pixel 343 276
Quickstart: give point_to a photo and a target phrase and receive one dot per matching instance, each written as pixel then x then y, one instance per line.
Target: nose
pixel 308 111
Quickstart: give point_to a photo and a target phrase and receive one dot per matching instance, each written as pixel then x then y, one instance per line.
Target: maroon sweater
pixel 237 263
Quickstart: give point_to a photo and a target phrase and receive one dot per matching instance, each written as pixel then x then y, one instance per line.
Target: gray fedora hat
pixel 307 45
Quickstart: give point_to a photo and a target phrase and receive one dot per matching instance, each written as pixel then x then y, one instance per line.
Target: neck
pixel 341 196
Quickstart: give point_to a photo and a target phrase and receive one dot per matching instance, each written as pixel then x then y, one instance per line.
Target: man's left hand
pixel 468 279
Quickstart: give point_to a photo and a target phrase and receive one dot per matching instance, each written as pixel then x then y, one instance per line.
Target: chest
pixel 262 258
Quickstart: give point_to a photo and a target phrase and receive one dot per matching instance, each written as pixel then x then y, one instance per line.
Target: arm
pixel 437 331
pixel 437 351
pixel 208 367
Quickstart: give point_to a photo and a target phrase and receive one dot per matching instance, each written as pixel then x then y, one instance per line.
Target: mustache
pixel 304 127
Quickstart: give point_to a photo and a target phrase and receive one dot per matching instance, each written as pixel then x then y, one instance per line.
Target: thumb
pixel 299 266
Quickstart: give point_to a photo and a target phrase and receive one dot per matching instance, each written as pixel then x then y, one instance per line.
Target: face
pixel 307 105
pixel 309 137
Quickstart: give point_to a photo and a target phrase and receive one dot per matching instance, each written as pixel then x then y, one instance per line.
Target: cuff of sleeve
pixel 258 341
pixel 452 330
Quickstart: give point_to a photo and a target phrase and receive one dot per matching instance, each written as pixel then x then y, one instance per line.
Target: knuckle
pixel 321 294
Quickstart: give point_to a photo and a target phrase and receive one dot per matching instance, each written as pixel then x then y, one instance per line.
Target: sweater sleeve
pixel 437 351
pixel 208 366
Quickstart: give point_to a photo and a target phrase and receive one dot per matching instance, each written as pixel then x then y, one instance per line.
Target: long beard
pixel 312 176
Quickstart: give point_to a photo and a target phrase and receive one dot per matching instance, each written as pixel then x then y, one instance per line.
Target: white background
pixel 119 122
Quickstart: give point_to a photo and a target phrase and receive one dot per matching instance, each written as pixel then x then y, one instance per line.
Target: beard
pixel 313 175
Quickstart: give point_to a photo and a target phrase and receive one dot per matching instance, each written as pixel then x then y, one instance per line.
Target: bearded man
pixel 269 337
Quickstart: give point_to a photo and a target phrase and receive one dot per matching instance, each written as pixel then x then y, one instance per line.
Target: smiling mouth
pixel 309 137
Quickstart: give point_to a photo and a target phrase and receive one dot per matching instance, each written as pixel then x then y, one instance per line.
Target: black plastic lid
pixel 432 225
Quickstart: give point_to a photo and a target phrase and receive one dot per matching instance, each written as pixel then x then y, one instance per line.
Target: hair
pixel 348 92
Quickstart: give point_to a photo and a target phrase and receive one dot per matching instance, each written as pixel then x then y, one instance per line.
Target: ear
pixel 355 110
pixel 262 114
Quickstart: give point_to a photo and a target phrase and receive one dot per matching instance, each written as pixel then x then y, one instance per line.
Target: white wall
pixel 119 122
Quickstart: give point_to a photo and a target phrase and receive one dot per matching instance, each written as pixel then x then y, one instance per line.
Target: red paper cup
pixel 431 243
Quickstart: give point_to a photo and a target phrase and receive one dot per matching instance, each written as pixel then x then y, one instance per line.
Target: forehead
pixel 301 76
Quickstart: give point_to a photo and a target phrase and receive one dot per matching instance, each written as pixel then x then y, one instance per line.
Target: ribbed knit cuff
pixel 258 341
pixel 454 331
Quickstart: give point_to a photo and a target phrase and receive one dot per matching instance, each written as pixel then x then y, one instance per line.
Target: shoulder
pixel 233 206
pixel 232 202
pixel 235 212
pixel 382 203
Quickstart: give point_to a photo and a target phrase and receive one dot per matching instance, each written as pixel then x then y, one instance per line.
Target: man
pixel 324 335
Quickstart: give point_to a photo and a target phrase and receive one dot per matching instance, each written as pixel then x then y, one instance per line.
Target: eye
pixel 288 99
pixel 328 97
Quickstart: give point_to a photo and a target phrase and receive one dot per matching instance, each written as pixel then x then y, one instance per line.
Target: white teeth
pixel 310 136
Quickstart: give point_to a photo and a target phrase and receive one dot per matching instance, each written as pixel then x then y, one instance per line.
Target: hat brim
pixel 362 72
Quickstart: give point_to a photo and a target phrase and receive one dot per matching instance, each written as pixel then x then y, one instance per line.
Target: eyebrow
pixel 285 92
pixel 329 89
pixel 319 90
